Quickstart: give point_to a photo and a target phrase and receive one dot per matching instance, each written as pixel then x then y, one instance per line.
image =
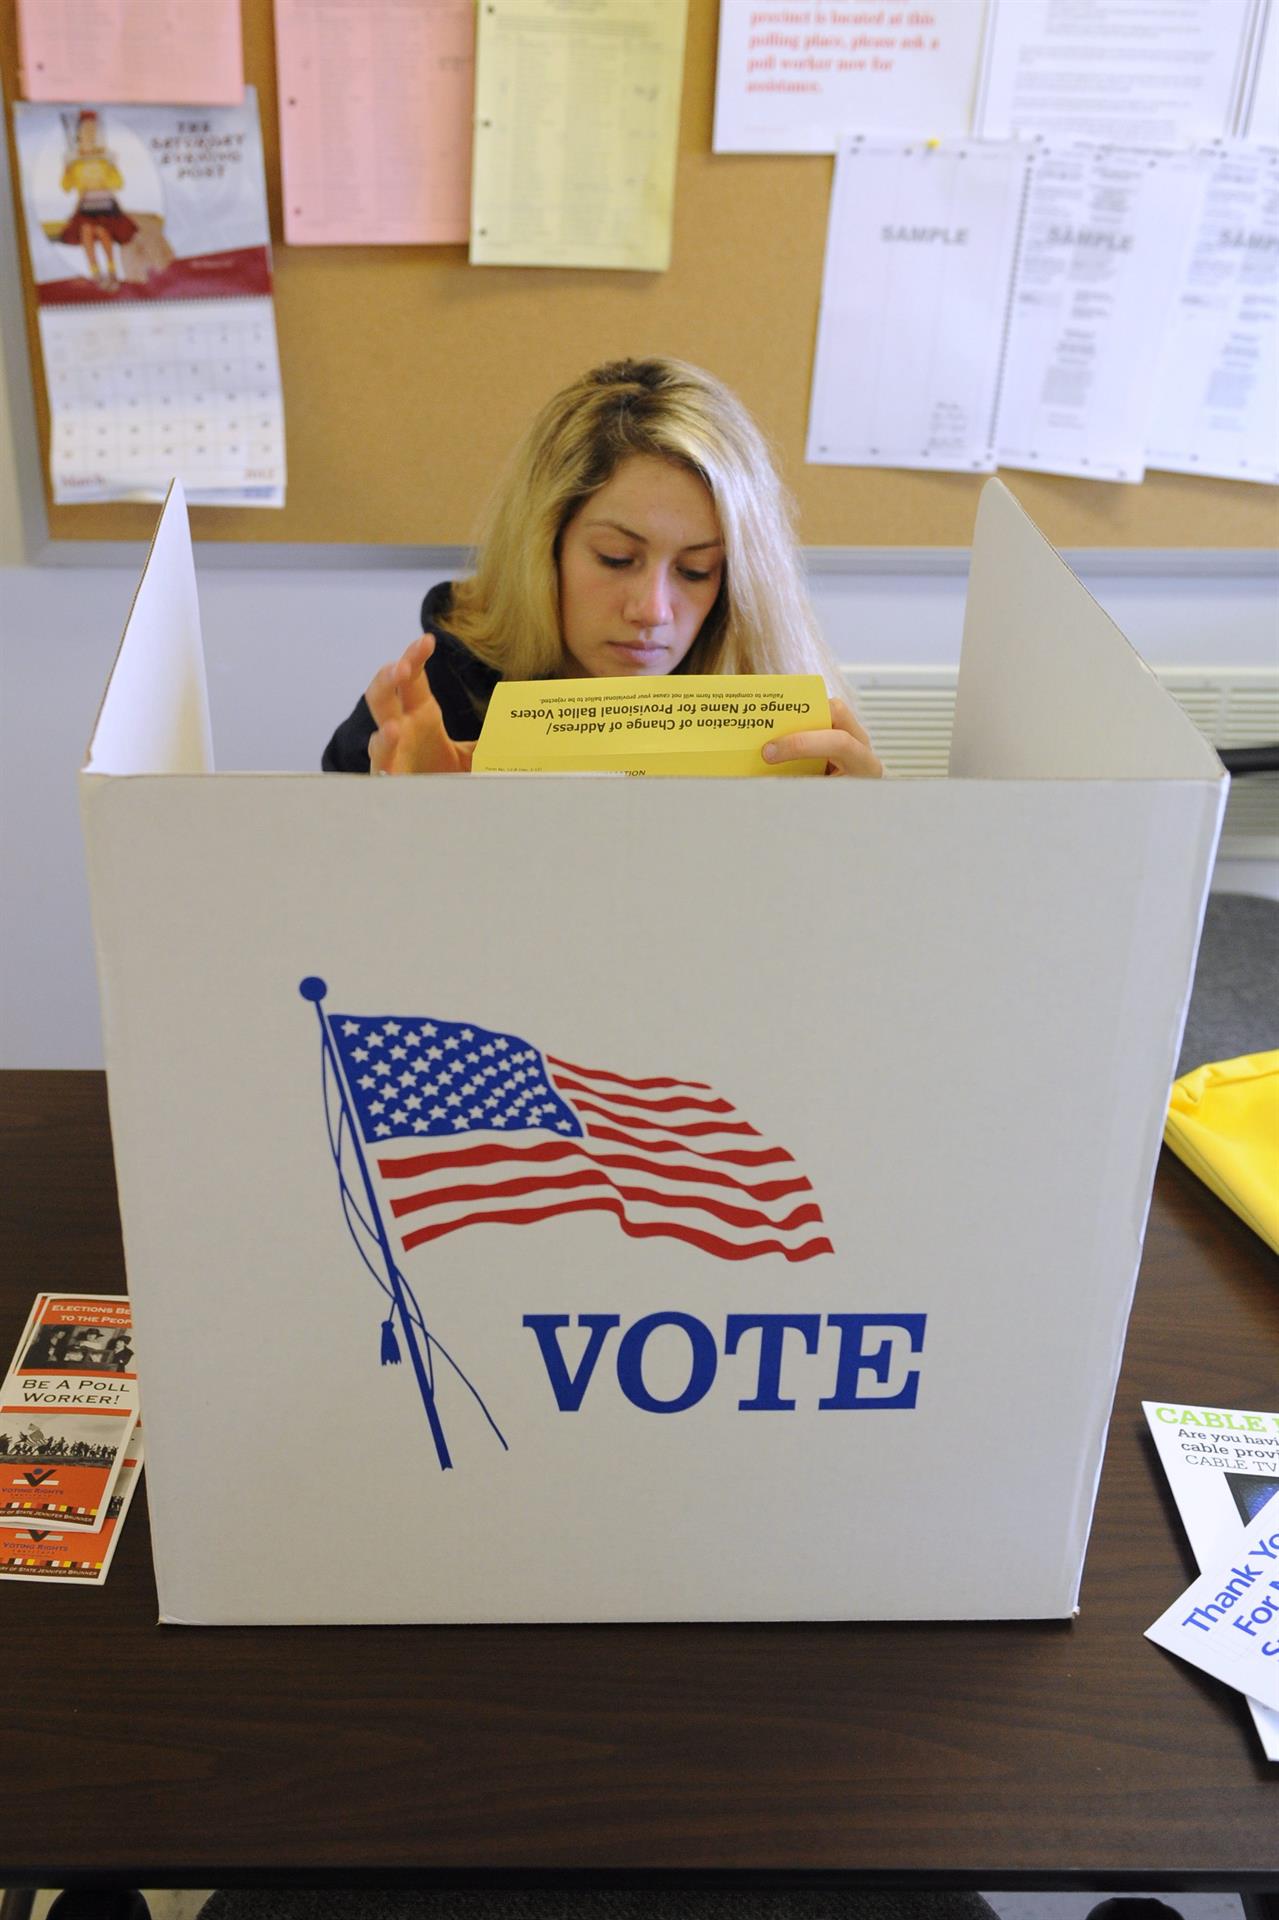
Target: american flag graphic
pixel 468 1125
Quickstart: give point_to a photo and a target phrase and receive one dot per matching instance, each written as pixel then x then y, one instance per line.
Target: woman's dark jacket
pixel 461 683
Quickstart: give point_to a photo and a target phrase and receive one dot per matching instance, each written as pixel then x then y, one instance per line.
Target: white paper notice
pixel 1228 1621
pixel 1104 239
pixel 918 255
pixel 1259 107
pixel 797 78
pixel 375 120
pixel 1222 1465
pixel 1216 406
pixel 1152 72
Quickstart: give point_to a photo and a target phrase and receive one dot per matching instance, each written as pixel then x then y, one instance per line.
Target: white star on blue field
pixel 439 1078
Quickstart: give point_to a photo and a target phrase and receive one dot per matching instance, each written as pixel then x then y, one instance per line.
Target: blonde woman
pixel 641 529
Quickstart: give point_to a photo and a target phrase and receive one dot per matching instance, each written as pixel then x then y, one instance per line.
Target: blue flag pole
pixel 314 990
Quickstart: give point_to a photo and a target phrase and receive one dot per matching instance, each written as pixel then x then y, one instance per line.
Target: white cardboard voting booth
pixel 748 1177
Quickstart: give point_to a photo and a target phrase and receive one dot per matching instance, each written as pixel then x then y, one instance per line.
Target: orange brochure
pixel 60 1468
pixel 74 1558
pixel 68 1410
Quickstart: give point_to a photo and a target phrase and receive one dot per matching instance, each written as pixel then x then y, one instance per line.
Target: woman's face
pixel 640 567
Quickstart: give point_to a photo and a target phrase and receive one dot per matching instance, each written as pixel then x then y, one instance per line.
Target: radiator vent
pixel 909 712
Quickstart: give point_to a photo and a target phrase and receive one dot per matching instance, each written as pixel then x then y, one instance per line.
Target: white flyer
pixel 1222 1465
pixel 1216 407
pixel 919 251
pixel 76 1352
pixel 1227 1621
pixel 797 78
pixel 1104 238
pixel 1151 72
pixel 150 250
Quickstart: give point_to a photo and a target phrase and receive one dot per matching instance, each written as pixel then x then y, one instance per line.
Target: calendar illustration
pixel 150 249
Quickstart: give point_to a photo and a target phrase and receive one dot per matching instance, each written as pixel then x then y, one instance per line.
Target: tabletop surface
pixel 989 1754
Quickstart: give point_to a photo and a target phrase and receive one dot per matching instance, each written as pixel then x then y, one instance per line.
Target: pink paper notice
pixel 149 52
pixel 376 105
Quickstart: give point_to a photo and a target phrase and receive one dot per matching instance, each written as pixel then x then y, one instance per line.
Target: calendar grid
pixel 142 393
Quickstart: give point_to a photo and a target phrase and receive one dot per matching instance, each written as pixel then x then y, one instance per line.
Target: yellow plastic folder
pixel 688 723
pixel 1223 1121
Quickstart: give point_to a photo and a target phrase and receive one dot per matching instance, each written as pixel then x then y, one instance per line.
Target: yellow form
pixel 687 723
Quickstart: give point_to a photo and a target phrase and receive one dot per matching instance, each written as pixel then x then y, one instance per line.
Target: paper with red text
pixel 797 78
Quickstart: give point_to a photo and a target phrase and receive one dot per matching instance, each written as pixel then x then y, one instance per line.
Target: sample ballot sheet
pixel 1154 72
pixel 797 78
pixel 1216 406
pixel 375 120
pixel 576 119
pixel 1104 240
pixel 918 257
pixel 147 229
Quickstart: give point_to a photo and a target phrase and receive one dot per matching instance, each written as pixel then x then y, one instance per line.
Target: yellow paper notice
pixel 576 129
pixel 688 723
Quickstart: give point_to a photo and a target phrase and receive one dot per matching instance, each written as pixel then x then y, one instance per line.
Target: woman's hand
pixel 844 746
pixel 409 734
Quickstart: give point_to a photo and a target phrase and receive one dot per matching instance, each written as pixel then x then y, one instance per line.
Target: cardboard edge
pixel 990 501
pixel 286 1623
pixel 1090 1481
pixel 175 489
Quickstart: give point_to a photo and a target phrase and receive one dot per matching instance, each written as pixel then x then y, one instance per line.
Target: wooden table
pixel 988 1756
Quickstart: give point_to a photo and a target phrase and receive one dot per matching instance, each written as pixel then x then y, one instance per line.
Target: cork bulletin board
pixel 408 374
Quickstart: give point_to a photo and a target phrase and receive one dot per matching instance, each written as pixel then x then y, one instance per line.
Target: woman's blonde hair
pixel 762 622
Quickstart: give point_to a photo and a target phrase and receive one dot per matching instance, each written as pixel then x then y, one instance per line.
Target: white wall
pixel 288 650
